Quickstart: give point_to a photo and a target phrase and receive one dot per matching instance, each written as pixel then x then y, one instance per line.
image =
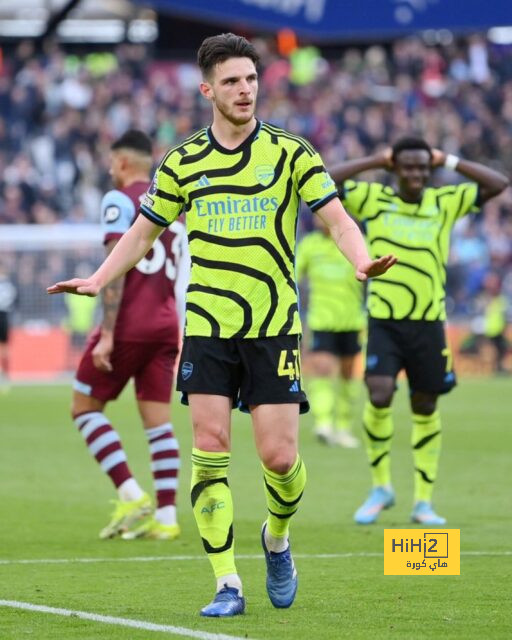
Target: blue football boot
pixel 281 575
pixel 227 602
pixel 424 513
pixel 378 500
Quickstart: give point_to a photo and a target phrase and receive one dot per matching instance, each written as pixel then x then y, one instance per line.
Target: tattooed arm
pixel 111 299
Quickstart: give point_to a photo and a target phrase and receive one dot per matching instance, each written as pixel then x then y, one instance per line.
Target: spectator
pixel 59 114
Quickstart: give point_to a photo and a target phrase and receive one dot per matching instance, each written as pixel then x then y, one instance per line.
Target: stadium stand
pixel 60 112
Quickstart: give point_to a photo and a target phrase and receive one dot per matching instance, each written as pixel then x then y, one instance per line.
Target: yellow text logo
pixel 414 552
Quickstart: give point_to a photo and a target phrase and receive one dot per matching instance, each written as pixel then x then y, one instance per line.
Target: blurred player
pixel 138 338
pixel 240 182
pixel 407 310
pixel 495 320
pixel 336 318
pixel 7 297
pixel 490 325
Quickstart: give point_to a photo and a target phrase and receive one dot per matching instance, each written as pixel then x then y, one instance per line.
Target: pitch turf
pixel 54 500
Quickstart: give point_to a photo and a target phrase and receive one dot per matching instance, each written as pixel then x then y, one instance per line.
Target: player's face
pixel 412 167
pixel 116 168
pixel 232 88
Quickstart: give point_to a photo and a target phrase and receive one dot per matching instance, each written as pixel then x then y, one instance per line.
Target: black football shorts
pixel 417 346
pixel 338 343
pixel 251 371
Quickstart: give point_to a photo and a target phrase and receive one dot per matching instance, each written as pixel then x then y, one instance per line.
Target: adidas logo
pixel 295 387
pixel 203 182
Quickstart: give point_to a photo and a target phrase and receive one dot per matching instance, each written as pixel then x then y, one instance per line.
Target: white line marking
pixel 122 622
pixel 99 560
pixel 300 556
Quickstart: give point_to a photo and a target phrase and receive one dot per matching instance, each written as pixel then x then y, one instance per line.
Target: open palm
pixel 78 286
pixel 375 268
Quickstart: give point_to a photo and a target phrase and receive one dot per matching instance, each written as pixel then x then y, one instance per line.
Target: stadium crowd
pixel 59 114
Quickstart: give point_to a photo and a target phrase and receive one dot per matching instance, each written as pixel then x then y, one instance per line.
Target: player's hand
pixel 101 353
pixel 77 286
pixel 385 158
pixel 438 158
pixel 375 268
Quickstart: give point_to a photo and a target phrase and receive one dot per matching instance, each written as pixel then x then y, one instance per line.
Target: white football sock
pixel 130 490
pixel 166 515
pixel 230 580
pixel 276 545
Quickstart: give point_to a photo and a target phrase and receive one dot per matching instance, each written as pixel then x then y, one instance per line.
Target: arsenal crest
pixel 264 174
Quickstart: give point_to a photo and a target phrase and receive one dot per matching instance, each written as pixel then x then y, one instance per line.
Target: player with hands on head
pixel 407 307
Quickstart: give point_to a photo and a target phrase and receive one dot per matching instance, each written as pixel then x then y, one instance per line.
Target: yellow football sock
pixel 283 493
pixel 321 397
pixel 213 508
pixel 378 432
pixel 346 404
pixel 426 449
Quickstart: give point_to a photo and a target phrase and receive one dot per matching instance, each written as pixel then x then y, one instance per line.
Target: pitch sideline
pixel 121 622
pixel 300 556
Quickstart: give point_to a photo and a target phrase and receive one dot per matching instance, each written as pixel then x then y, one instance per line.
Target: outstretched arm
pixel 112 295
pixel 133 246
pixel 341 172
pixel 350 241
pixel 491 182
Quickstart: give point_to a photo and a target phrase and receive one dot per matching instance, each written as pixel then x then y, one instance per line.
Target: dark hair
pixel 410 143
pixel 219 48
pixel 135 140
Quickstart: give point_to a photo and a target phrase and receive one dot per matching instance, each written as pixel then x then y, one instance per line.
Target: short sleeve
pixel 314 184
pixel 463 199
pixel 163 201
pixel 354 195
pixel 117 214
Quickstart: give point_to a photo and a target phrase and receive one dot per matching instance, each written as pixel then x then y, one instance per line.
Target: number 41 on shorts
pixel 289 365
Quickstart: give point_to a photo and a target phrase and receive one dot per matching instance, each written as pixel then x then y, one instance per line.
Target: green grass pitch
pixel 54 500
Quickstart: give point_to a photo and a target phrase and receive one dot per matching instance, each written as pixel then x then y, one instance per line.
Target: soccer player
pixel 336 318
pixel 7 297
pixel 239 182
pixel 495 319
pixel 138 338
pixel 406 309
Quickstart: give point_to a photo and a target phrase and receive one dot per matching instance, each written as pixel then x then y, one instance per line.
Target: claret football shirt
pixel 147 312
